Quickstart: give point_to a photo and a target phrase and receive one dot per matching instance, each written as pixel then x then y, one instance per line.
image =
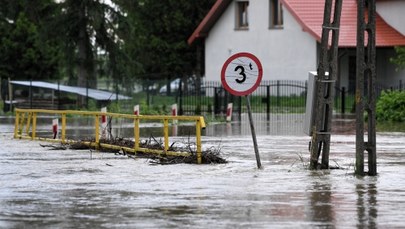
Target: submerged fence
pixel 26 128
pixel 209 98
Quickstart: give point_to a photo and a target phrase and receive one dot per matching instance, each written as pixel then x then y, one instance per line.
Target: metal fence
pixel 271 97
pixel 210 98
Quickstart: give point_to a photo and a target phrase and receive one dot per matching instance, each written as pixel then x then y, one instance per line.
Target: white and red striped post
pixel 136 110
pixel 174 112
pixel 175 130
pixel 229 112
pixel 103 122
pixel 55 127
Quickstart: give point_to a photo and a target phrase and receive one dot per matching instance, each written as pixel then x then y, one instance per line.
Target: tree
pixel 89 28
pixel 26 51
pixel 163 28
pixel 399 60
pixel 23 55
pixel 78 38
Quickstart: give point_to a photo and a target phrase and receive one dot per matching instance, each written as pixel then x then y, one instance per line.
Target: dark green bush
pixel 391 106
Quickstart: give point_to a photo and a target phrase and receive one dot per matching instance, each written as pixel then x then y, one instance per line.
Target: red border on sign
pixel 259 77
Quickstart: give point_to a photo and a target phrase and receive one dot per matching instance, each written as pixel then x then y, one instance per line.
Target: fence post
pixel 400 85
pixel 229 112
pixel 268 102
pixel 59 104
pixel 16 123
pixel 198 140
pixel 148 99
pixel 34 125
pixel 174 112
pixel 55 127
pixel 278 95
pixel 216 105
pixel 306 88
pixel 343 100
pixel 117 91
pixel 181 97
pixel 63 127
pixel 103 122
pixel 136 134
pixel 87 94
pixel 11 102
pixel 97 130
pixel 166 134
pixel 136 110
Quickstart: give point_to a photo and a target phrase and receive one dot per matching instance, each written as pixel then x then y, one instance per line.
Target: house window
pixel 276 14
pixel 242 15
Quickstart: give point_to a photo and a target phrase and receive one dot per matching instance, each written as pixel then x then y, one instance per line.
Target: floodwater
pixel 42 188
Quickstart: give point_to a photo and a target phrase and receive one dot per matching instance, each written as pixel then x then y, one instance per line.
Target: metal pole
pixel 58 95
pixel 278 96
pixel 31 93
pixel 343 100
pixel 10 94
pixel 268 102
pixel 252 128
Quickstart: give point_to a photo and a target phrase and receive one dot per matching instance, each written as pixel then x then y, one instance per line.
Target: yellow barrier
pixel 24 117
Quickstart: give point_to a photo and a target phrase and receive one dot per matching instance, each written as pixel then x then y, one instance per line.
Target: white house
pixel 285 35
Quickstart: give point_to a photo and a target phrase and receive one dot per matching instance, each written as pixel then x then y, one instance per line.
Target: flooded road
pixel 42 188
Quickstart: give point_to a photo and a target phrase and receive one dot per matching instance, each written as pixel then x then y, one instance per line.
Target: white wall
pixel 287 53
pixel 393 12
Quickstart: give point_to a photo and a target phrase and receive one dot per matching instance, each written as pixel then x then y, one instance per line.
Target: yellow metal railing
pixel 27 119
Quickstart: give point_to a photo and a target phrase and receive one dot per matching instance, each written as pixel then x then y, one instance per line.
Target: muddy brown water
pixel 41 188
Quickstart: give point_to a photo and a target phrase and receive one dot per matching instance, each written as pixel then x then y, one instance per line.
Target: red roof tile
pixel 309 14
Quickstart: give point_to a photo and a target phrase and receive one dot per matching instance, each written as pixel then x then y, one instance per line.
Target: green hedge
pixel 391 106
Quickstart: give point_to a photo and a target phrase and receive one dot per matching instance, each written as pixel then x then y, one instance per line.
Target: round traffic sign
pixel 241 74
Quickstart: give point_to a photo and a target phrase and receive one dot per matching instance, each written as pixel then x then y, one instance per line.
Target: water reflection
pixel 366 205
pixel 279 124
pixel 322 204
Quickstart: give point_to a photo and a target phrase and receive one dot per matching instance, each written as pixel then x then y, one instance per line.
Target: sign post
pixel 241 74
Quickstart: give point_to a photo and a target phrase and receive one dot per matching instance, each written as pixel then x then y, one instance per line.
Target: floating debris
pixel 209 156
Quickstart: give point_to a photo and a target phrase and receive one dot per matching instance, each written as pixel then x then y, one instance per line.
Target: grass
pixel 390 126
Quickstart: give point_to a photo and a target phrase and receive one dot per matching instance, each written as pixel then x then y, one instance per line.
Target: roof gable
pixel 209 20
